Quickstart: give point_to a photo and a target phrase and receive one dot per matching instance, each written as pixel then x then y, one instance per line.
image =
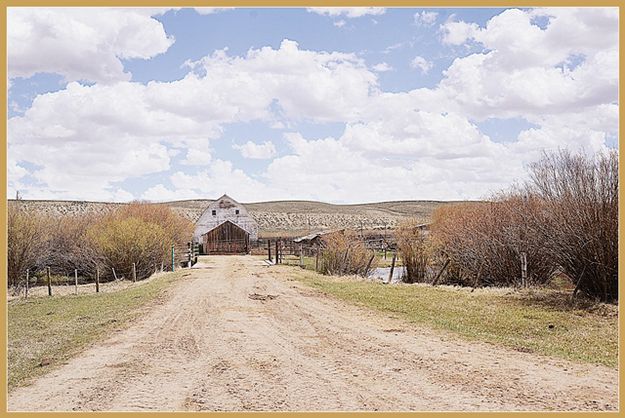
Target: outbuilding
pixel 225 227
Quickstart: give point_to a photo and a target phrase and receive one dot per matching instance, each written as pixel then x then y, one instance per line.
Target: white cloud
pixel 243 88
pixel 457 33
pixel 212 10
pixel 526 69
pixel 81 43
pixel 561 76
pixel 221 177
pixel 339 23
pixel 253 150
pixel 382 67
pixel 422 64
pixel 425 18
pixel 349 12
pixel 160 193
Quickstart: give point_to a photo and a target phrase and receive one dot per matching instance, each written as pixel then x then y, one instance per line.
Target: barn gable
pixel 221 210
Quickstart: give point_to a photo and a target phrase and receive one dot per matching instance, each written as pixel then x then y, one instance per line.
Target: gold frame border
pixel 278 3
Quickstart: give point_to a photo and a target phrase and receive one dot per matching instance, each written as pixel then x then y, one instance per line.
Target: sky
pixel 341 105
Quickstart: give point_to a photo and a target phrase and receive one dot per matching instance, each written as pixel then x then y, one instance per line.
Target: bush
pixel 414 249
pixel 143 234
pixel 27 241
pixel 484 242
pixel 70 248
pixel 344 254
pixel 125 240
pixel 579 217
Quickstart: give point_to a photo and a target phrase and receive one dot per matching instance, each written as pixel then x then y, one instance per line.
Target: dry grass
pixel 542 321
pixel 43 332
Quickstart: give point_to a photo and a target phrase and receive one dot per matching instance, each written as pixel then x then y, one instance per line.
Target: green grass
pixel 44 332
pixel 389 259
pixel 544 322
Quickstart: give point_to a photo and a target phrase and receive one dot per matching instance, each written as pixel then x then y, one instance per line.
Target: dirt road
pixel 237 335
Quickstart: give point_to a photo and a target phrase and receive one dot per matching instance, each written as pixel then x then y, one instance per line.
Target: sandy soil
pixel 235 335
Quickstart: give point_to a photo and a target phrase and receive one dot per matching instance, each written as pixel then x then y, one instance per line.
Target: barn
pixel 225 227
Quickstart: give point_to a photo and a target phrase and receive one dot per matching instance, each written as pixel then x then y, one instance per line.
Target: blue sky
pixel 338 105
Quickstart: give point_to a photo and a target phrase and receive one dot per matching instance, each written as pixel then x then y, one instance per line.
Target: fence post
pixel 366 273
pixel 269 250
pixel 27 278
pixel 390 275
pixel 134 273
pixel 173 258
pixel 440 272
pixel 301 256
pixel 524 269
pixel 317 259
pixel 49 281
pixel 162 265
pixel 277 253
pixel 97 280
pixel 76 281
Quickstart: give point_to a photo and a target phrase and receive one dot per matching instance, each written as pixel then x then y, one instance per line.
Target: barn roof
pixel 223 222
pixel 314 235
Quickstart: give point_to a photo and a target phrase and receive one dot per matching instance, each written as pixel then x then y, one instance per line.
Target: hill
pixel 286 218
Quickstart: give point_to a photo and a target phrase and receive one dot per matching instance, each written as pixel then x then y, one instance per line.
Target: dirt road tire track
pixel 212 347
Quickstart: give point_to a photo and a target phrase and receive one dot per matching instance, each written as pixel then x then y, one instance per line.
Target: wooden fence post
pixel 27 278
pixel 134 272
pixel 524 269
pixel 440 272
pixel 277 253
pixel 49 281
pixel 317 259
pixel 97 280
pixel 366 273
pixel 390 275
pixel 301 256
pixel 162 266
pixel 269 249
pixel 173 258
pixel 76 281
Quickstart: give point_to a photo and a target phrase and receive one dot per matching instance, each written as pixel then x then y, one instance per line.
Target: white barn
pixel 223 218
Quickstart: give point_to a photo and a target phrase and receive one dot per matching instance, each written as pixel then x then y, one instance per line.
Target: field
pixel 237 334
pixel 538 321
pixel 284 218
pixel 45 332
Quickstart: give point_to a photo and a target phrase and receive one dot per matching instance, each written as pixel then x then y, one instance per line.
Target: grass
pixel 309 262
pixel 44 332
pixel 544 322
pixel 389 259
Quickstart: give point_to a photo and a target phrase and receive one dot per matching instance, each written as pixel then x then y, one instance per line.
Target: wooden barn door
pixel 227 238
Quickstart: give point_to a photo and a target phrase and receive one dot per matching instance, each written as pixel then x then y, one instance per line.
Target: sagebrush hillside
pixel 276 218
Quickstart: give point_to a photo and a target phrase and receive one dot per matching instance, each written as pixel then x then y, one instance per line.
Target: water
pixel 381 273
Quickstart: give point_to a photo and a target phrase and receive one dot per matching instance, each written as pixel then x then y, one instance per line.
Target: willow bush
pixel 415 251
pixel 345 254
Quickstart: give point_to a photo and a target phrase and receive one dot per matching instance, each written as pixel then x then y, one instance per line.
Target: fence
pixel 50 281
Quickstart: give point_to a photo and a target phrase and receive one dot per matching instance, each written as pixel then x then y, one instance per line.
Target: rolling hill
pixel 286 218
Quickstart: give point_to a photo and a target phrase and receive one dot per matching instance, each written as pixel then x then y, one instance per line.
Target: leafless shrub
pixel 484 242
pixel 345 253
pixel 27 238
pixel 414 249
pixel 69 247
pixel 579 217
